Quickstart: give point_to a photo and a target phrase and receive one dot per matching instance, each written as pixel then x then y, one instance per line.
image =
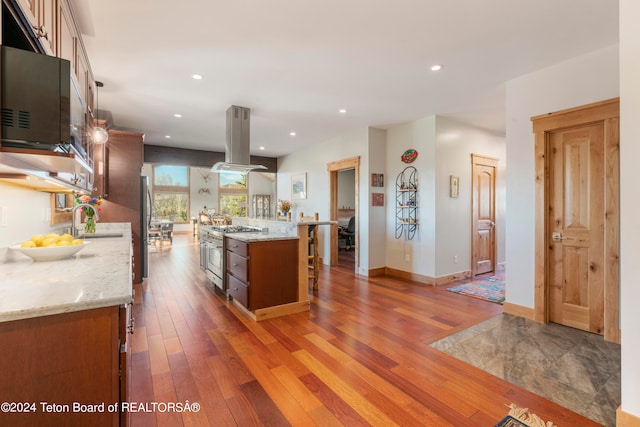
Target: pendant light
pixel 100 134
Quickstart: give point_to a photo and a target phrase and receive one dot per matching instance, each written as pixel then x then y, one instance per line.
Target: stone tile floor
pixel 576 369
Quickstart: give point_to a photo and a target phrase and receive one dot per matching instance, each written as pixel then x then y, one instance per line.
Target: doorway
pixel 577 218
pixel 347 170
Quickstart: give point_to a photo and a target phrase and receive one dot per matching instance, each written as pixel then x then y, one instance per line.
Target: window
pixel 232 194
pixel 171 193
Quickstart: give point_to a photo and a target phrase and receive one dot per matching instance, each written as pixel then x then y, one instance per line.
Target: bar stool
pixel 313 256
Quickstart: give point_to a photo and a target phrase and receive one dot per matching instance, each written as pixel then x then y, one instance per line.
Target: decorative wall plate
pixel 409 156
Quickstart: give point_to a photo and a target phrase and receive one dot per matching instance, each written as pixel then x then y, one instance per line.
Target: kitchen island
pixel 63 325
pixel 296 275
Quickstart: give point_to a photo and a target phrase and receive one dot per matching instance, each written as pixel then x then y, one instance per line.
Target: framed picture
pixel 377 180
pixel 454 186
pixel 299 186
pixel 377 199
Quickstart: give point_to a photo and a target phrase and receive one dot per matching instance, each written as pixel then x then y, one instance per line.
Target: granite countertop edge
pixel 97 276
pixel 260 237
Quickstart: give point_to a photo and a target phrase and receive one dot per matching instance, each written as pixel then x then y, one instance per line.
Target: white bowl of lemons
pixel 50 247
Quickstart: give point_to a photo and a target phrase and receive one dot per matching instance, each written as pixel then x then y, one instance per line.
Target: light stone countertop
pixel 260 237
pixel 97 276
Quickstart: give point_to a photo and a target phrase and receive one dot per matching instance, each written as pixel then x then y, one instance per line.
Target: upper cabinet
pixel 67 37
pixel 49 27
pixel 42 16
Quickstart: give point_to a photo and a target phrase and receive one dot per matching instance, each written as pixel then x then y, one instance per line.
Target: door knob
pixel 557 236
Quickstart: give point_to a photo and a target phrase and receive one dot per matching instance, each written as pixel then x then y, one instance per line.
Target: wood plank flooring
pixel 360 357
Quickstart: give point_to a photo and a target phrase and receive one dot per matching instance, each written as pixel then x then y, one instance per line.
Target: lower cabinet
pixel 262 274
pixel 65 369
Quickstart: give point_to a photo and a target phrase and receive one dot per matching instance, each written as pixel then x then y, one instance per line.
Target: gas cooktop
pixel 234 228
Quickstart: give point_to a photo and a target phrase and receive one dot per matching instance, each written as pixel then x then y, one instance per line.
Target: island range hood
pixel 237 154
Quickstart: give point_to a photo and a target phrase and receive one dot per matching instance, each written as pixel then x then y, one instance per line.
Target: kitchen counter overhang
pixel 97 276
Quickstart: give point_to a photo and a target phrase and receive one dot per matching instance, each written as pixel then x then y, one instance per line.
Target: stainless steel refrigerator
pixel 145 220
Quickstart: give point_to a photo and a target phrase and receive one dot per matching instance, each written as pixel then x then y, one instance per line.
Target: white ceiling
pixel 295 63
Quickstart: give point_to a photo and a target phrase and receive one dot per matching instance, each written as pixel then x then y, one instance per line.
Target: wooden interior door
pixel 576 224
pixel 566 125
pixel 483 257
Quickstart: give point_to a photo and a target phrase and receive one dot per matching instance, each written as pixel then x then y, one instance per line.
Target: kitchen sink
pixel 99 235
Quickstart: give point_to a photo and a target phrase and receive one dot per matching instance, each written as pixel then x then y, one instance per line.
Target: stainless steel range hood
pixel 237 153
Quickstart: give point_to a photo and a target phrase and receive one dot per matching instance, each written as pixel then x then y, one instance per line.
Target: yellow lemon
pixel 53 236
pixel 49 242
pixel 28 244
pixel 77 242
pixel 67 237
pixel 63 243
pixel 37 239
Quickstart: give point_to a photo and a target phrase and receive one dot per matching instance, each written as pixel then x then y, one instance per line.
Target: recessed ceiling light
pixel 342 111
pixel 262 148
pixel 436 67
pixel 177 115
pixel 292 133
pixel 197 77
pixel 168 136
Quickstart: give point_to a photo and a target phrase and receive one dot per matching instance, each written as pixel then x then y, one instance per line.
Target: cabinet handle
pixel 132 321
pixel 41 32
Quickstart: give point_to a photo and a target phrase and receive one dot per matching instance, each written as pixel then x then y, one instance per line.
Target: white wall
pixel 377 215
pixel 346 186
pixel 28 213
pixel 444 148
pixel 455 142
pixel 589 78
pixel 313 161
pixel 630 203
pixel 202 180
pixel 417 255
pixel 262 183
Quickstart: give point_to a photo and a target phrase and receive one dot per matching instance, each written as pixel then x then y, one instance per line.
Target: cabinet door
pixel 62 358
pixel 241 248
pixel 125 326
pixel 42 17
pixel 29 9
pixel 238 290
pixel 68 38
pixel 238 266
pixel 48 19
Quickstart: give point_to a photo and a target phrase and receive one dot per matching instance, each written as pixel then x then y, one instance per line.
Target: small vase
pixel 90 225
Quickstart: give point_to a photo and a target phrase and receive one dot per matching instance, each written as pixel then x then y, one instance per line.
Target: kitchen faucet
pixel 74 232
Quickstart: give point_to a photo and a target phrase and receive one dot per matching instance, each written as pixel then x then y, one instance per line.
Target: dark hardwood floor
pixel 361 356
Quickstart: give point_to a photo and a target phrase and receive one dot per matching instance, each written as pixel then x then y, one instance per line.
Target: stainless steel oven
pixel 212 256
pixel 215 261
pixel 212 252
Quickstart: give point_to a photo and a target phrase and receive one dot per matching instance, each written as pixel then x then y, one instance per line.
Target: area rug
pixel 521 417
pixel 490 289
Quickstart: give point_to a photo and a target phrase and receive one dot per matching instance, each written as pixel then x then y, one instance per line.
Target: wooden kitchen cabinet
pixel 42 15
pixel 66 359
pixel 263 273
pixel 49 27
pixel 123 202
pixel 68 37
